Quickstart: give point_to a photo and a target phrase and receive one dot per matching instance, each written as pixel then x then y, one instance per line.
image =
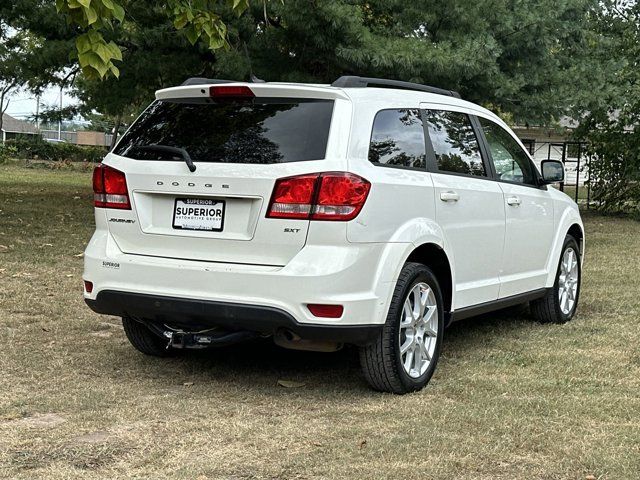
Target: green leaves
pixel 198 20
pixel 95 54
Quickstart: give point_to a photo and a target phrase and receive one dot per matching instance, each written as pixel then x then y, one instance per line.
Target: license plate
pixel 198 214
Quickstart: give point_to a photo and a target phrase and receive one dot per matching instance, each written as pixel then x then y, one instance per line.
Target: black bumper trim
pixel 232 316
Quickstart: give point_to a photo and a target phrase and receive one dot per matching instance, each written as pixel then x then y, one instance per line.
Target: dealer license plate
pixel 198 214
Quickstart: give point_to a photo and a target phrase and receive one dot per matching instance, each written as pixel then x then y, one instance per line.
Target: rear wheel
pixel 144 340
pixel 404 356
pixel 560 303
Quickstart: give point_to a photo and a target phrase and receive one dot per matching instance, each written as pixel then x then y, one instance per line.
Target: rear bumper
pixel 231 316
pixel 360 277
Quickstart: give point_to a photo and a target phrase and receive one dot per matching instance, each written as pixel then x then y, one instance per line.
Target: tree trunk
pixel 114 138
pixel 2 110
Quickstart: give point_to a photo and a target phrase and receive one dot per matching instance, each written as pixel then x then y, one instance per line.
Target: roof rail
pixel 349 81
pixel 205 81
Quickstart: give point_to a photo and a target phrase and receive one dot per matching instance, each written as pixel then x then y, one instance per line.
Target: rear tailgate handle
pixel 449 196
pixel 513 201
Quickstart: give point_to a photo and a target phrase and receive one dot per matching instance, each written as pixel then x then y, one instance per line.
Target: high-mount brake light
pixel 335 196
pixel 226 92
pixel 110 188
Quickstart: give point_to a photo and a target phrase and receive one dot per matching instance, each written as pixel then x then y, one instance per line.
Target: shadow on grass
pixel 259 364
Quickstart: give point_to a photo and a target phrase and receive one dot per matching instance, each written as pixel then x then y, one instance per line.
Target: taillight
pixel 292 197
pixel 110 188
pixel 320 196
pixel 340 196
pixel 234 91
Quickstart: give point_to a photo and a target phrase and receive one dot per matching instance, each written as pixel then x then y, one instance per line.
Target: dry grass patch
pixel 510 399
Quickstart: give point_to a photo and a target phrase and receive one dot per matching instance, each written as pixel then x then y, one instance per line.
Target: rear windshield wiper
pixel 175 150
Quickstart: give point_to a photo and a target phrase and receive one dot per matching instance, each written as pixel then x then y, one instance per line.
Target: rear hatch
pixel 240 138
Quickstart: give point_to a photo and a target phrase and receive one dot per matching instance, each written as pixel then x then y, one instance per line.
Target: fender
pixel 411 235
pixel 567 218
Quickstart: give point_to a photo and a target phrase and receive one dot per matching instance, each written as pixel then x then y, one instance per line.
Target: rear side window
pixel 397 139
pixel 454 143
pixel 255 131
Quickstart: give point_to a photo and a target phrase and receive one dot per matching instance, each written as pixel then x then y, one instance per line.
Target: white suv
pixel 368 212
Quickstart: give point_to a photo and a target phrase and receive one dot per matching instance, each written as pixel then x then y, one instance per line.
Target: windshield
pixel 259 130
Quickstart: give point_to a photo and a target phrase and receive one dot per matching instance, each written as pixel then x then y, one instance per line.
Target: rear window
pixel 249 131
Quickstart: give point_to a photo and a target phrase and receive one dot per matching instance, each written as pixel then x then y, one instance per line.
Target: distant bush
pixel 7 152
pixel 614 170
pixel 38 149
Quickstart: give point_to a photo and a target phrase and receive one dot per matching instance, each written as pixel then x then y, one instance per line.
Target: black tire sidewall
pixel 421 274
pixel 569 241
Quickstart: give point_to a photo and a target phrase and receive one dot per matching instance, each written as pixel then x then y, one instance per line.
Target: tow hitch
pixel 200 340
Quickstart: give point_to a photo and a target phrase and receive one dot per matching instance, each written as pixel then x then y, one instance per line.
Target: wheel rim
pixel 418 330
pixel 568 281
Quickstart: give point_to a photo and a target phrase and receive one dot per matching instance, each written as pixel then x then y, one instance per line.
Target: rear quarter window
pixel 260 130
pixel 397 139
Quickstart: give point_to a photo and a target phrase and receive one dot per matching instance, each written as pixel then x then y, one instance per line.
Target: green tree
pixel 15 50
pixel 519 57
pixel 195 19
pixel 531 60
pixel 612 125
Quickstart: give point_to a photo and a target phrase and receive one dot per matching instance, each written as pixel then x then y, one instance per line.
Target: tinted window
pixel 255 131
pixel 398 139
pixel 454 142
pixel 511 162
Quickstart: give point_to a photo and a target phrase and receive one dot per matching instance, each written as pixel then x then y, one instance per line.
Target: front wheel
pixel 404 356
pixel 560 303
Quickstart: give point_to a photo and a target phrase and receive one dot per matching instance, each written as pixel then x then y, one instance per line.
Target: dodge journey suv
pixel 368 212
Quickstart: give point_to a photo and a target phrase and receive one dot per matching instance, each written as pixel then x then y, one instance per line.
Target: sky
pixel 23 102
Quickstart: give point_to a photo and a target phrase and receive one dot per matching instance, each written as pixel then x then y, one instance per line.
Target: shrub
pixel 614 171
pixel 7 152
pixel 38 149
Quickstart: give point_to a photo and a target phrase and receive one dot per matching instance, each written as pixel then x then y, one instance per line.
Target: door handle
pixel 513 201
pixel 449 196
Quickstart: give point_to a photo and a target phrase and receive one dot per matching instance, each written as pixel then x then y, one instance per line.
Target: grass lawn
pixel 510 398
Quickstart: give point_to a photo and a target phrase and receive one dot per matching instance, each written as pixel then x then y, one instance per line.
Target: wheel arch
pixel 433 256
pixel 575 230
pixel 423 241
pixel 569 223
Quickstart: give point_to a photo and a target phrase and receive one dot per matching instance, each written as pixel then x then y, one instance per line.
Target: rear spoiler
pixel 266 89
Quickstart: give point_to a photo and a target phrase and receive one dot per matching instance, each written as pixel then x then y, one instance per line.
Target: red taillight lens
pixel 319 196
pixel 88 286
pixel 98 180
pixel 110 188
pixel 224 91
pixel 341 196
pixel 292 197
pixel 325 311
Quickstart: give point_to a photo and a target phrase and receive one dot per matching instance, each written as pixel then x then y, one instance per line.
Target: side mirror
pixel 552 171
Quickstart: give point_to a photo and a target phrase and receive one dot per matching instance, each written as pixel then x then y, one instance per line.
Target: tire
pixel 144 340
pixel 553 307
pixel 382 361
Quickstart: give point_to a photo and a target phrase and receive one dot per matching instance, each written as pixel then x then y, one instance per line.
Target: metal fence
pixel 576 163
pixel 70 137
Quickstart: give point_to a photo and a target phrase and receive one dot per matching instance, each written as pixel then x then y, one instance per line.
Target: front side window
pixel 454 143
pixel 397 139
pixel 509 159
pixel 258 131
